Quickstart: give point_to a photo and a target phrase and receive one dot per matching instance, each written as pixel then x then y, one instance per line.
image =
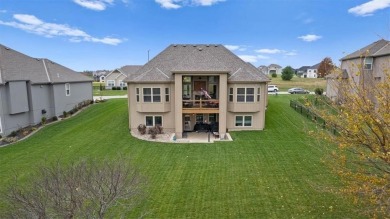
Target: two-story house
pixel 116 77
pixel 364 66
pixel 203 83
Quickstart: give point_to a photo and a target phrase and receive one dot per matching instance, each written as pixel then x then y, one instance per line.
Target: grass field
pixel 275 173
pixel 306 83
pixel 98 92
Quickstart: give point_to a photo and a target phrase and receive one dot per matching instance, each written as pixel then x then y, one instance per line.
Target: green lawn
pixel 275 173
pixel 306 83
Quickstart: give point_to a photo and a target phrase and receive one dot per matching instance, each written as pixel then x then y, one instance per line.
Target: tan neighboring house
pixel 189 85
pixel 116 77
pixel 366 65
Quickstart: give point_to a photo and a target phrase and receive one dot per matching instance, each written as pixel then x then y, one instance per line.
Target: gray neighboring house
pixel 366 66
pixel 32 88
pixel 187 85
pixel 116 77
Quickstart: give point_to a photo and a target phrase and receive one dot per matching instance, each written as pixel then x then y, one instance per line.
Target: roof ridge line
pixel 162 72
pixel 136 78
pixel 387 44
pixel 235 72
pixel 46 70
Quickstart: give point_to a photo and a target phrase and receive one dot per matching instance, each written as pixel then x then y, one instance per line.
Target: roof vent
pixel 207 45
pixel 175 45
pixel 6 48
pixel 38 59
pixel 194 45
pixel 216 45
pixel 200 48
pixel 184 45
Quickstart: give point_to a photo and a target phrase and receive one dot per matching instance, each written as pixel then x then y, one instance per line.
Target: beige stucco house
pixel 116 77
pixel 364 66
pixel 188 85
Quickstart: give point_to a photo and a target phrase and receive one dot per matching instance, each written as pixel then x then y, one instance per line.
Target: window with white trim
pixel 110 83
pixel 258 94
pixel 122 84
pixel 151 95
pixel 67 89
pixel 167 94
pixel 137 94
pixel 243 121
pixel 151 121
pixel 231 94
pixel 368 63
pixel 245 94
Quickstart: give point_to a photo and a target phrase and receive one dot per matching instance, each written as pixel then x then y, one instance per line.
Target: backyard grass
pixel 305 83
pixel 275 173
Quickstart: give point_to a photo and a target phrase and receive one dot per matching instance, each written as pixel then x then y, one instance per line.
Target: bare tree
pixel 326 67
pixel 84 189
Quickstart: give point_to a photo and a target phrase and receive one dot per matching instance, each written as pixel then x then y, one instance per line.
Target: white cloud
pixel 235 47
pixel 368 8
pixel 269 51
pixel 175 4
pixel 32 24
pixel 97 5
pixel 310 37
pixel 252 58
pixel 293 53
pixel 168 4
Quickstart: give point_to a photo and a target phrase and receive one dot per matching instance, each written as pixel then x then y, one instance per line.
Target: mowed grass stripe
pixel 275 173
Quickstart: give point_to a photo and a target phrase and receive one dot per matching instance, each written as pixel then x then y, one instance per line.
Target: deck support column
pixel 178 105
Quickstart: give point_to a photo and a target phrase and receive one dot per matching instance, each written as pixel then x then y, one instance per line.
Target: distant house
pixel 365 66
pixel 301 71
pixel 32 88
pixel 312 71
pixel 187 86
pixel 263 69
pixel 116 77
pixel 274 68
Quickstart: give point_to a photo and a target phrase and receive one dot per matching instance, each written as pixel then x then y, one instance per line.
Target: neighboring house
pixel 102 79
pixel 301 71
pixel 274 68
pixel 364 66
pixel 312 71
pixel 187 85
pixel 263 69
pixel 116 77
pixel 32 88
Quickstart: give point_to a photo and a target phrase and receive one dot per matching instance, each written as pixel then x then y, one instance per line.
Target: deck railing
pixel 198 104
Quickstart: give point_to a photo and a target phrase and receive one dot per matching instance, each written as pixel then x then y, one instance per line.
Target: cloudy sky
pixel 108 34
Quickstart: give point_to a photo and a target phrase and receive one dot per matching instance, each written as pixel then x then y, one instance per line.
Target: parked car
pixel 298 90
pixel 273 88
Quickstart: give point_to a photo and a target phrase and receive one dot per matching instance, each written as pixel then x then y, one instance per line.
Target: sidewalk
pixel 108 97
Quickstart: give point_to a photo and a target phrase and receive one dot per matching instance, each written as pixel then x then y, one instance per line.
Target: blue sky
pixel 108 34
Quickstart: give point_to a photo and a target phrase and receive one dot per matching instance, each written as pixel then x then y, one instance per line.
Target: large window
pixel 243 121
pixel 368 63
pixel 245 94
pixel 152 95
pixel 153 121
pixel 110 83
pixel 67 89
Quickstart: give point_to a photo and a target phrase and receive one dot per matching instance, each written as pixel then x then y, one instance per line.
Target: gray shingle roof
pixel 378 48
pixel 130 70
pixel 274 66
pixel 199 58
pixel 15 66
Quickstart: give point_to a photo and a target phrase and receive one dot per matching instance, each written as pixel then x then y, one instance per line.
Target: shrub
pixel 274 75
pixel 124 88
pixel 13 134
pixel 43 120
pixel 141 129
pixel 113 88
pixel 287 73
pixel 153 132
pixel 118 88
pixel 319 91
pixel 55 118
pixel 159 129
pixel 10 139
pixel 1 137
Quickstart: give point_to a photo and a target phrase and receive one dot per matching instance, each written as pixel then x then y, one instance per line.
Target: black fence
pixel 304 111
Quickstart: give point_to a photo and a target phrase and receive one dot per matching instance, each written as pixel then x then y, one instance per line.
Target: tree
pixel 360 121
pixel 287 73
pixel 326 67
pixel 87 189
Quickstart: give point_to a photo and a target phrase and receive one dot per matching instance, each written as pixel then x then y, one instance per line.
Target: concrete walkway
pixel 108 97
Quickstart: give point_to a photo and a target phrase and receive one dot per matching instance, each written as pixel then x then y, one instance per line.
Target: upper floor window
pixel 152 95
pixel 258 94
pixel 166 94
pixel 67 89
pixel 137 93
pixel 368 63
pixel 245 94
pixel 231 94
pixel 122 84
